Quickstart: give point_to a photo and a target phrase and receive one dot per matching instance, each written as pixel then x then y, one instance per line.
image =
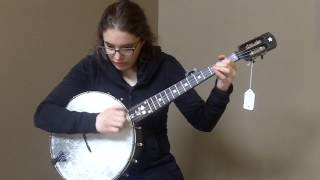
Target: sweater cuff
pixel 223 93
pixel 88 122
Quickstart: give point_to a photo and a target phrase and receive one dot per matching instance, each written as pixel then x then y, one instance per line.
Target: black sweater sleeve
pixel 202 115
pixel 52 116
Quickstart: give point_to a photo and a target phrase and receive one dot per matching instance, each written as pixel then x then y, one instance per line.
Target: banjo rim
pixel 135 136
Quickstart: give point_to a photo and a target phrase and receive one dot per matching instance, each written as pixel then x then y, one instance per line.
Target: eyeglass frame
pixel 120 50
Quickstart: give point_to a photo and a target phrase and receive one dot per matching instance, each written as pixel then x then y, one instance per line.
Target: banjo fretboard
pixel 163 98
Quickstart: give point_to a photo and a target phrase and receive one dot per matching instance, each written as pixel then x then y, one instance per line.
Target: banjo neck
pixel 163 98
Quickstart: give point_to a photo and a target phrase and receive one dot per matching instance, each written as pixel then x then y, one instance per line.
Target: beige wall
pixel 39 41
pixel 280 139
pixel 42 39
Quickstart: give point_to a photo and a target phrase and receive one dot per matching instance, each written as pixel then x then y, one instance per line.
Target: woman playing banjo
pixel 129 66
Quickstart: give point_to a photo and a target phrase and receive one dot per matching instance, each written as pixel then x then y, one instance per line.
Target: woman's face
pixel 122 48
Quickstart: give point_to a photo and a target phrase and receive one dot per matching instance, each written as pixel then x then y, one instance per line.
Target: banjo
pixel 97 156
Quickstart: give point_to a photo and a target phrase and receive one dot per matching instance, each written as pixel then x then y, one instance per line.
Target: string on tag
pixel 249 96
pixel 251 72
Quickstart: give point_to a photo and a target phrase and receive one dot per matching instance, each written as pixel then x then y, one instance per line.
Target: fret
pixel 161 99
pixel 188 82
pixel 170 93
pixel 177 89
pixel 202 75
pixel 157 100
pixel 191 80
pixel 155 107
pixel 194 77
pixel 166 95
pixel 173 92
pixel 183 86
pixel 199 76
pixel 149 105
pixel 210 70
pixel 207 73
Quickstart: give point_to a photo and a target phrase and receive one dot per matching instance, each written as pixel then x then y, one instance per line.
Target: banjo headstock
pixel 256 47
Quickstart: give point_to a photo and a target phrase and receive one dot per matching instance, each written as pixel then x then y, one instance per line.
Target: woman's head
pixel 126 16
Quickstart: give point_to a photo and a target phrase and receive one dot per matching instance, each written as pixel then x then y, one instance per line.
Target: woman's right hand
pixel 111 120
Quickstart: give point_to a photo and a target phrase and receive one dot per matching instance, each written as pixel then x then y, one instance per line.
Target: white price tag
pixel 248 102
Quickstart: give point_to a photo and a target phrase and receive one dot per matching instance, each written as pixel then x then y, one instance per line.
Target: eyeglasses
pixel 125 51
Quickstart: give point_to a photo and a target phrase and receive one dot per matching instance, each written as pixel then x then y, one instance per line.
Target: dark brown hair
pixel 126 16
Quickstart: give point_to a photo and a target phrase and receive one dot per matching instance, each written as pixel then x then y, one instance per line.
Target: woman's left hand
pixel 225 70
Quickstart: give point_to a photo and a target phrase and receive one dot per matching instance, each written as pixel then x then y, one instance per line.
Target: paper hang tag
pixel 248 102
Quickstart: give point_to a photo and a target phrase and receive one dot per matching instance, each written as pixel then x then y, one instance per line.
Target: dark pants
pixel 168 171
pixel 132 178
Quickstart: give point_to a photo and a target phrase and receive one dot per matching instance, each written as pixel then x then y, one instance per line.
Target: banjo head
pixel 100 156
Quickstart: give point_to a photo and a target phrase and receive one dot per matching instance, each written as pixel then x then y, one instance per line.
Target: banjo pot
pixel 93 156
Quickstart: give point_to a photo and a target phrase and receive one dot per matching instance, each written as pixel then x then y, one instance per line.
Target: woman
pixel 128 66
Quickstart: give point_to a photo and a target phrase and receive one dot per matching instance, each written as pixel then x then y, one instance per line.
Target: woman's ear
pixel 142 43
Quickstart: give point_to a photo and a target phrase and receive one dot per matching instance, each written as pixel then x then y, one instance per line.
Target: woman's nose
pixel 117 55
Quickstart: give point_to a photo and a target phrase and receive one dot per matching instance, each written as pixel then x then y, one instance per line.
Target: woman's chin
pixel 120 67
